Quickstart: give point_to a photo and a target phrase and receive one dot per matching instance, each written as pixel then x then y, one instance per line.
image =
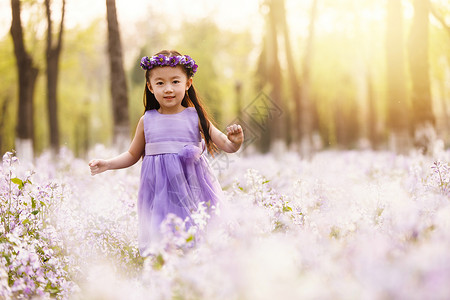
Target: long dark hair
pixel 190 99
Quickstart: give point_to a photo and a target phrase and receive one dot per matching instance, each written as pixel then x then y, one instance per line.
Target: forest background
pixel 298 75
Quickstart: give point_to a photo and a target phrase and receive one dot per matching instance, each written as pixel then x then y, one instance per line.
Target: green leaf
pixel 35 212
pixel 52 290
pixel 8 258
pixel 26 221
pixel 158 262
pixel 287 208
pixel 17 181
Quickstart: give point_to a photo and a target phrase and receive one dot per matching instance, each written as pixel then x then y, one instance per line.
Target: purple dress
pixel 175 176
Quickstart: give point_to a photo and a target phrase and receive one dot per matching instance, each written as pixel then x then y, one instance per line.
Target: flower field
pixel 340 225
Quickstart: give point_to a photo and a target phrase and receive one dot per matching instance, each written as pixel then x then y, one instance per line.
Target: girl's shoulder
pixel 150 111
pixel 146 114
pixel 191 109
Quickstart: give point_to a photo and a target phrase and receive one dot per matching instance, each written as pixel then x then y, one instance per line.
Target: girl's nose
pixel 168 88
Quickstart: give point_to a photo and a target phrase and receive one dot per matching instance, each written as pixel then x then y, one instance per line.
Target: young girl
pixel 175 177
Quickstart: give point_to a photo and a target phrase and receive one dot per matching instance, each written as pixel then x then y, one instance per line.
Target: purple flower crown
pixel 162 60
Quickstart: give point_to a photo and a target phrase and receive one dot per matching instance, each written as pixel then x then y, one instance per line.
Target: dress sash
pixel 168 147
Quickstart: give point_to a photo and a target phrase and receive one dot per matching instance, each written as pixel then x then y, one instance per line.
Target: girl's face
pixel 169 85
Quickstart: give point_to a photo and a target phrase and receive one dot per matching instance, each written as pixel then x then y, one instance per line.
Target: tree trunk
pixel 444 86
pixel 262 74
pixel 396 79
pixel 295 125
pixel 238 90
pixel 277 126
pixel 423 117
pixel 306 110
pixel 3 110
pixel 27 74
pixel 118 80
pixel 372 119
pixel 53 55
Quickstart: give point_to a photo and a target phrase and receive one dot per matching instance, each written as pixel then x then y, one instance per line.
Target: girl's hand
pixel 235 134
pixel 98 166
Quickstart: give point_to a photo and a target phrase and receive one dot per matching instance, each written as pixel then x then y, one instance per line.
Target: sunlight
pixel 332 123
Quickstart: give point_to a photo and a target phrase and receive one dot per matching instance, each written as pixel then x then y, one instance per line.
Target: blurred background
pixel 298 75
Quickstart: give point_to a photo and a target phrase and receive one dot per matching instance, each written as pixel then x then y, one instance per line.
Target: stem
pixel 441 182
pixel 10 199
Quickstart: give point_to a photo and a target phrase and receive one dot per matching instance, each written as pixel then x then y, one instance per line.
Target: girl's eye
pixel 159 83
pixel 176 81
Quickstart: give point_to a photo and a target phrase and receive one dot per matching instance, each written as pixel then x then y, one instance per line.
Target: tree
pixel 3 109
pixel 397 102
pixel 27 73
pixel 306 111
pixel 372 113
pixel 282 130
pixel 118 80
pixel 423 118
pixel 53 54
pixel 295 89
pixel 269 73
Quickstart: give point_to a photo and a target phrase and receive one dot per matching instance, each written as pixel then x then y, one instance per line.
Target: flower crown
pixel 162 60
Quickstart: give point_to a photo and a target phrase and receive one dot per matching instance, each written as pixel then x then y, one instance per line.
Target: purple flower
pixel 188 60
pixel 145 63
pixel 173 61
pixel 161 60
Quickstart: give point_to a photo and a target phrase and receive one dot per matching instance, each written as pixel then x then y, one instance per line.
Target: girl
pixel 175 177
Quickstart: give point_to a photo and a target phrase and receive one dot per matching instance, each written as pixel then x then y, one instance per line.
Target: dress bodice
pixel 179 127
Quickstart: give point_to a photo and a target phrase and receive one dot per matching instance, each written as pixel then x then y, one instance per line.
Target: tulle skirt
pixel 172 183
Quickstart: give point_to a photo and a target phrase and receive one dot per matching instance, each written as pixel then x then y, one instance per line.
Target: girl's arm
pixel 229 143
pixel 125 159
